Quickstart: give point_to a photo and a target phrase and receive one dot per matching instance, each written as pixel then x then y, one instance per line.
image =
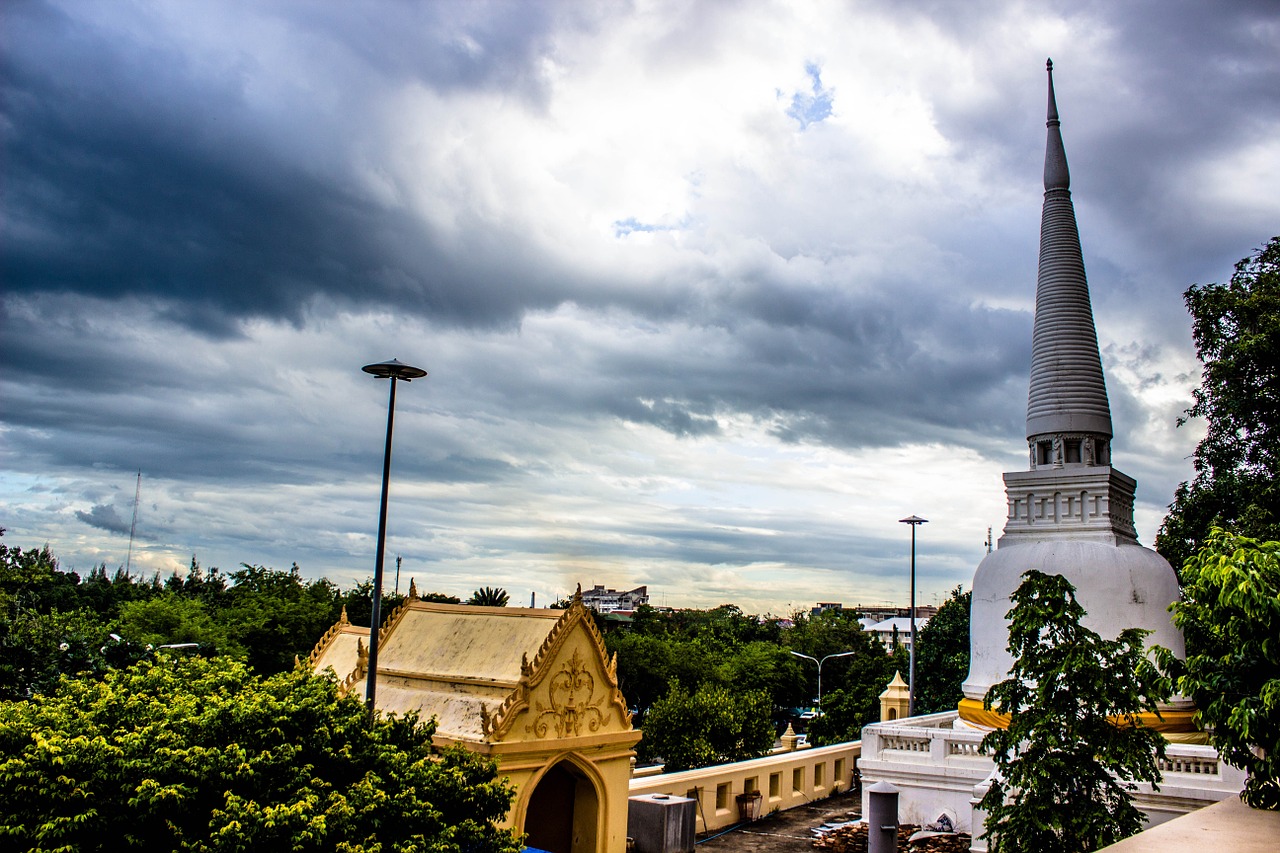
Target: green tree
pixel 769 667
pixel 276 615
pixel 487 596
pixel 44 632
pixel 1066 764
pixel 38 649
pixel 1236 328
pixel 440 598
pixel 644 667
pixel 200 754
pixel 171 618
pixel 1230 612
pixel 711 726
pixel 359 603
pixel 942 655
pixel 852 700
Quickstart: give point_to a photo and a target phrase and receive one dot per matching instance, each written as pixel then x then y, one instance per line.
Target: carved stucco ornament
pixel 572 702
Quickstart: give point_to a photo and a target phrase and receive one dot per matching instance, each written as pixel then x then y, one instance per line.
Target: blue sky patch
pixel 811 108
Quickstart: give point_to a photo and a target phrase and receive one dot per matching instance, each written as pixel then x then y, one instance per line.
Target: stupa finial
pixel 1056 175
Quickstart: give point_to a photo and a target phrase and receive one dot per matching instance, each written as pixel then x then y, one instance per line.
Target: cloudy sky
pixel 711 293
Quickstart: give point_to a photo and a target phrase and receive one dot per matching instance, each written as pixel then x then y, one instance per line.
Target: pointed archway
pixel 563 814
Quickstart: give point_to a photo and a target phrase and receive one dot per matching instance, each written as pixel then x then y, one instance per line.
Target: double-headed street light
pixel 820 663
pixel 915 521
pixel 393 370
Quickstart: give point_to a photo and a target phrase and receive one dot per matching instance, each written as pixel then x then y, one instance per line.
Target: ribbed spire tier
pixel 1067 405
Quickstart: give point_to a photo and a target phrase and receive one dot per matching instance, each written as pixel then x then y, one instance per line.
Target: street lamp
pixel 915 521
pixel 393 370
pixel 820 663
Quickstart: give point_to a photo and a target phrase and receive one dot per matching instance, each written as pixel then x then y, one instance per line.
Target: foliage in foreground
pixel 1066 764
pixel 1230 612
pixel 1236 327
pixel 711 726
pixel 184 753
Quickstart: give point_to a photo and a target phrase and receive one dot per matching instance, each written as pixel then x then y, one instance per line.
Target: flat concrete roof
pixel 1228 825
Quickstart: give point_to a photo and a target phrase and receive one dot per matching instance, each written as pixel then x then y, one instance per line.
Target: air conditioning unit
pixel 660 823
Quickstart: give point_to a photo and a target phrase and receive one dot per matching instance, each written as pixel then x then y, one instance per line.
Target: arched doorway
pixel 563 812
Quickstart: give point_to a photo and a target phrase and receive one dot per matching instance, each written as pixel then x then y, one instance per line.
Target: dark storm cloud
pixel 130 171
pixel 104 517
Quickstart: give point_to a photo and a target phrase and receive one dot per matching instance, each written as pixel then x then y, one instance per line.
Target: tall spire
pixel 1068 416
pixel 1056 175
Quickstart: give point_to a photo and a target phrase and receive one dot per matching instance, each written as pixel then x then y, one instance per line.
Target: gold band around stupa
pixel 1176 726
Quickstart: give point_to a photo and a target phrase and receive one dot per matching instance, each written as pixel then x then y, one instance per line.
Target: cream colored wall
pixel 800 777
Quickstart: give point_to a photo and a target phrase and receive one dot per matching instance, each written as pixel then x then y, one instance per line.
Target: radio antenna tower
pixel 133 526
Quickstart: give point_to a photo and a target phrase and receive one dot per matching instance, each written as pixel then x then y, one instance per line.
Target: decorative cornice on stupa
pixel 1076 502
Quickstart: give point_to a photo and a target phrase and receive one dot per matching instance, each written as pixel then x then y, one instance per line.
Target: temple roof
pixel 1068 394
pixel 486 674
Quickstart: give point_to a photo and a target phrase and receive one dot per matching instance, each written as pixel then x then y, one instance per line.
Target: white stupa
pixel 1071 513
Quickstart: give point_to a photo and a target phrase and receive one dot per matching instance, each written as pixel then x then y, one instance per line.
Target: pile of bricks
pixel 852 838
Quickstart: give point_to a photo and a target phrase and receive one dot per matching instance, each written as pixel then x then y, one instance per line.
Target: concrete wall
pixel 785 780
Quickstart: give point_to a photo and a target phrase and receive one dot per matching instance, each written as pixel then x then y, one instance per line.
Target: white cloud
pixel 796 336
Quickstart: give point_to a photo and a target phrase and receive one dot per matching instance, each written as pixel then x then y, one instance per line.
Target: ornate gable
pixel 569 690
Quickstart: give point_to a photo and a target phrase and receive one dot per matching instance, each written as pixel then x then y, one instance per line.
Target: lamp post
pixel 393 370
pixel 820 663
pixel 915 521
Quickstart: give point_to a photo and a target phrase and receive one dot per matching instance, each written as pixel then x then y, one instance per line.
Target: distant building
pixel 880 612
pixel 603 600
pixel 824 606
pixel 898 627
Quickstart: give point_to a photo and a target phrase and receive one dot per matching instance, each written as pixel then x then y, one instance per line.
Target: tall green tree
pixel 1230 612
pixel 711 726
pixel 182 753
pixel 276 615
pixel 1236 327
pixel 942 655
pixel 1066 765
pixel 173 618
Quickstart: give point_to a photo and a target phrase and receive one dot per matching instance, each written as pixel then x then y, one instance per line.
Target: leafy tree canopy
pixel 53 622
pixel 1236 327
pixel 1230 612
pixel 710 726
pixel 1065 766
pixel 182 753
